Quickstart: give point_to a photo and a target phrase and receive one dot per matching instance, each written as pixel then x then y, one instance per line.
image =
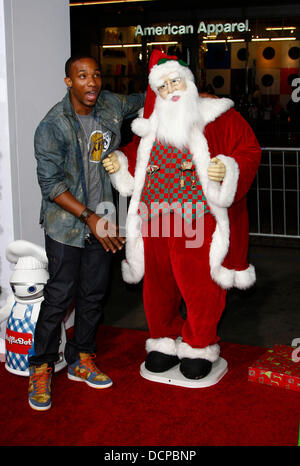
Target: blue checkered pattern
pixel 15 361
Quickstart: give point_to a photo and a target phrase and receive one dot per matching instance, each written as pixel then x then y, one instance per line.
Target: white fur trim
pixel 222 194
pixel 219 248
pixel 122 180
pixel 210 353
pixel 130 273
pixel 141 112
pixel 133 267
pixel 141 127
pixel 243 279
pixel 220 240
pixel 223 277
pixel 133 227
pixel 210 109
pixel 163 345
pixel 170 66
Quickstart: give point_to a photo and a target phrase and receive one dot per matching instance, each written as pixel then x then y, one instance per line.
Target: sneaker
pixel 40 387
pixel 85 370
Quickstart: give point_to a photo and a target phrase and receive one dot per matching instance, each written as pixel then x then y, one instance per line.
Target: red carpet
pixel 137 412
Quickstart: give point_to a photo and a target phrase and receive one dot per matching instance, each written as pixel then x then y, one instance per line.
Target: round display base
pixel 175 377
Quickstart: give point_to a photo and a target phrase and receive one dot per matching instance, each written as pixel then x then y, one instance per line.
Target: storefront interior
pixel 251 55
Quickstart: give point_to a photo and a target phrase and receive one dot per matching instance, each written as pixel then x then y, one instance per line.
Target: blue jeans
pixel 76 274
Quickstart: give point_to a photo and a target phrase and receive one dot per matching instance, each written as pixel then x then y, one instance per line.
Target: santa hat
pixel 166 66
pixel 161 64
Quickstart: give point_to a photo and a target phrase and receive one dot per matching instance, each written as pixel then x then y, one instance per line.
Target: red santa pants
pixel 174 271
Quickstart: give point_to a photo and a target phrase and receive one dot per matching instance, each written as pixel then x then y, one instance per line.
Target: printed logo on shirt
pixel 98 144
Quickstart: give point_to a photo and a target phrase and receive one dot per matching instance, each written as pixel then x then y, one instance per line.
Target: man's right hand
pixel 106 233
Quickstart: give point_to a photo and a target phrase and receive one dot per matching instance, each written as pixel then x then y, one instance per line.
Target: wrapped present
pixel 279 367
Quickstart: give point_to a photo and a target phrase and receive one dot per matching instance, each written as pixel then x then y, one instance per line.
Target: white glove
pixel 111 163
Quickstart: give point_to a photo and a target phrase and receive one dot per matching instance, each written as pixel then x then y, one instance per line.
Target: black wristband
pixel 84 216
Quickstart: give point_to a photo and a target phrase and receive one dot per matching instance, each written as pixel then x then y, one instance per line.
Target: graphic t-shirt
pixel 98 140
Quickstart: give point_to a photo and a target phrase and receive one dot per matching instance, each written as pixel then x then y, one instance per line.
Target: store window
pixel 121 59
pixel 252 61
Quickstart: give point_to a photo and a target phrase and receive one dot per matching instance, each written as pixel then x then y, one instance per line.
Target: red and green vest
pixel 172 184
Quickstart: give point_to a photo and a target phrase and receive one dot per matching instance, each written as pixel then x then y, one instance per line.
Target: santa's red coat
pixel 227 135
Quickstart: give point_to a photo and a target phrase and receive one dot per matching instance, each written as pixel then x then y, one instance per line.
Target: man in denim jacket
pixel 70 142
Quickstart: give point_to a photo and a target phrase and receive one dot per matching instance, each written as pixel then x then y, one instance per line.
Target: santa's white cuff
pixel 122 180
pixel 164 345
pixel 210 353
pixel 243 279
pixel 133 267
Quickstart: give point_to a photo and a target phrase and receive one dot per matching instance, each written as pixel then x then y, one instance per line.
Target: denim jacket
pixel 58 144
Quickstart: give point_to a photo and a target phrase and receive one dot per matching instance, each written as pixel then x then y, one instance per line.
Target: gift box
pixel 279 367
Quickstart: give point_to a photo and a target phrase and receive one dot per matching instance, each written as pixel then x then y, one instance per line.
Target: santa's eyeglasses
pixel 170 83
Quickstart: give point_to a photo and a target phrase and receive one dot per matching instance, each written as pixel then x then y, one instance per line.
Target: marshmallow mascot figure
pixel 194 159
pixel 22 308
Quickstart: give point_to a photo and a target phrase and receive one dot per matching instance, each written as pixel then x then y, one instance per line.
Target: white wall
pixel 34 45
pixel 6 208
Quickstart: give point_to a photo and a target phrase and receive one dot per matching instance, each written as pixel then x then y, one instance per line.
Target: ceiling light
pixel 104 2
pixel 214 41
pixel 115 46
pixel 283 38
pixel 120 46
pixel 285 28
pixel 162 43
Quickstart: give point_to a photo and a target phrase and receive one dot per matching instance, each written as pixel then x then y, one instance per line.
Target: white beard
pixel 175 119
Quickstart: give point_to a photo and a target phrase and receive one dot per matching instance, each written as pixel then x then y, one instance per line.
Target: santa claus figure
pixel 195 162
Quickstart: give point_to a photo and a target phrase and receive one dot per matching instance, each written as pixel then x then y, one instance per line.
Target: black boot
pixel 160 362
pixel 195 368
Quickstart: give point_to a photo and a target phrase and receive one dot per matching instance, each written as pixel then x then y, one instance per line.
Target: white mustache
pixel 174 94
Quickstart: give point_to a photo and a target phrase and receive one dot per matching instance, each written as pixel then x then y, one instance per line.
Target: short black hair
pixel 73 59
